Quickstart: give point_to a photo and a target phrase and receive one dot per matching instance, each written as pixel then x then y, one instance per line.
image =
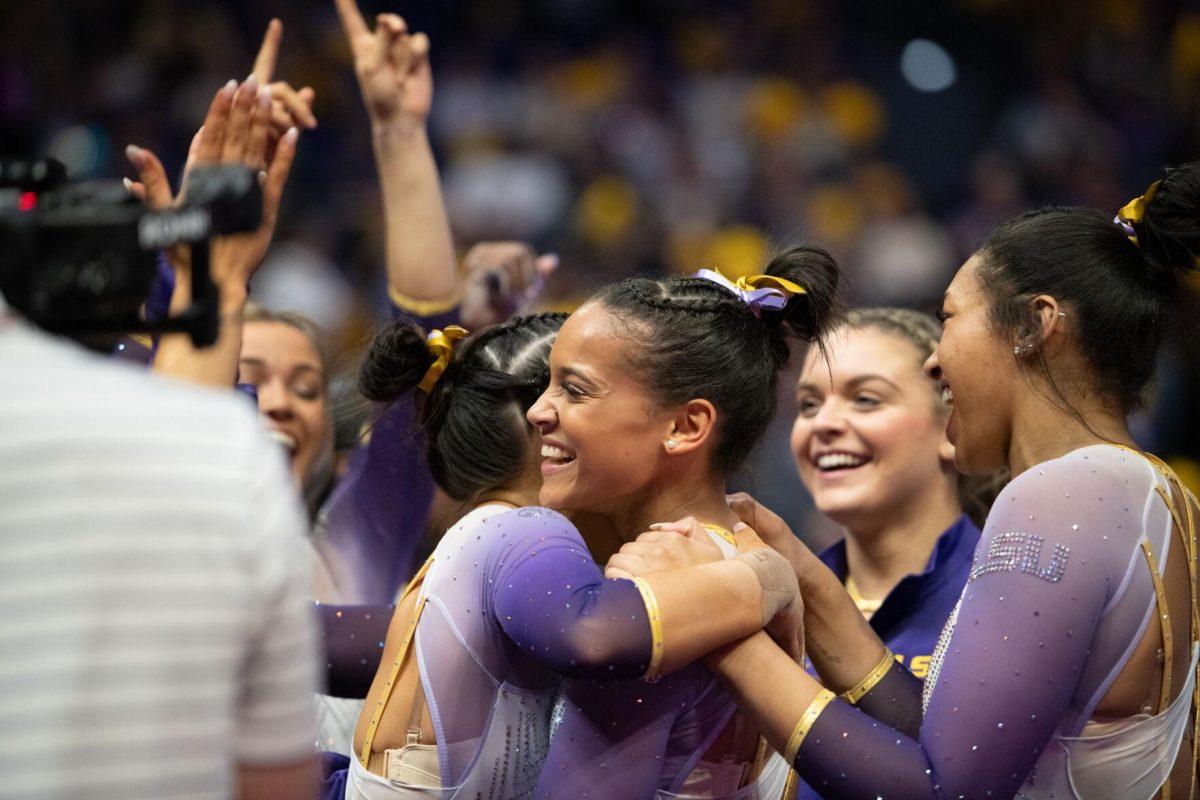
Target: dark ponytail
pixel 699 340
pixel 1118 293
pixel 474 417
pixel 1169 232
pixel 395 362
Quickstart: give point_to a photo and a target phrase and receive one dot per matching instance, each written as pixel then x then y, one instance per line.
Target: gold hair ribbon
pixel 1133 211
pixel 441 345
pixel 756 291
pixel 751 282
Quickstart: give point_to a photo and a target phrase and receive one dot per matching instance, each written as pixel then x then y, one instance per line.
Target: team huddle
pixel 1012 612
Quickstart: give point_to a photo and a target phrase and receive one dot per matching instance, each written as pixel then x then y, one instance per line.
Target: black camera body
pixel 79 258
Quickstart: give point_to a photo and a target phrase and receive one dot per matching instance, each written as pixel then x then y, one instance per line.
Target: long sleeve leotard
pixel 1058 596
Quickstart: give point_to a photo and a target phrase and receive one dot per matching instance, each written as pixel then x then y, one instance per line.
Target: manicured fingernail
pixel 228 89
pixel 251 83
pixel 134 154
pixel 264 97
pixel 656 525
pixel 128 184
pixel 262 177
pixel 551 260
pixel 291 136
pixel 741 526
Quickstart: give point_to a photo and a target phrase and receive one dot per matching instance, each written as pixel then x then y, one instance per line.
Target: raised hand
pixel 252 124
pixel 502 279
pixel 392 66
pixel 236 131
pixel 289 108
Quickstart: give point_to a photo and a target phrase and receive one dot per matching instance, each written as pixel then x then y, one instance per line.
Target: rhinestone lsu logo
pixel 1022 552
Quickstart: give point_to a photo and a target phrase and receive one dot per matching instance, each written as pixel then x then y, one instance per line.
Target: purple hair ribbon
pixel 756 291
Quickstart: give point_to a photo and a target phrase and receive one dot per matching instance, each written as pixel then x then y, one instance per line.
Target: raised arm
pixel 250 124
pixel 393 72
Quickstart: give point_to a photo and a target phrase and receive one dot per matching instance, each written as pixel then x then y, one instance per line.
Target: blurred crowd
pixel 661 136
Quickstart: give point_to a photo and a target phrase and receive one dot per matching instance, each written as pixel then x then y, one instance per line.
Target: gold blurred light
pixel 736 251
pixel 607 209
pixel 855 111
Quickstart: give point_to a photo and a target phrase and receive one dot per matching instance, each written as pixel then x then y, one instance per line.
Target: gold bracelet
pixel 424 308
pixel 856 692
pixel 656 627
pixel 823 698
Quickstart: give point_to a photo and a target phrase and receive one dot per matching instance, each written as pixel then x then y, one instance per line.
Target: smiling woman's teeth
pixel 284 439
pixel 839 460
pixel 947 396
pixel 556 453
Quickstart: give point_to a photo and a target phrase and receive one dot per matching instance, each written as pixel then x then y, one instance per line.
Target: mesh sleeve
pixel 353 637
pixel 372 524
pixel 1043 574
pixel 895 701
pixel 552 601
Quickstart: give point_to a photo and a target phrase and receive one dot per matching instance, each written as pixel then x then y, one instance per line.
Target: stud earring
pixel 671 444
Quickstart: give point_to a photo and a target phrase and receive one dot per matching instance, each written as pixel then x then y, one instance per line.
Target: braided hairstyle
pixel 976 493
pixel 1119 294
pixel 474 417
pixel 698 340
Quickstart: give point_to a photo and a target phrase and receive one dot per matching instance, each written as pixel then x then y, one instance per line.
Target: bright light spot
pixel 78 148
pixel 927 66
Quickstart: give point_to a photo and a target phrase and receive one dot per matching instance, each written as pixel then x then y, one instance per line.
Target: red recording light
pixel 28 201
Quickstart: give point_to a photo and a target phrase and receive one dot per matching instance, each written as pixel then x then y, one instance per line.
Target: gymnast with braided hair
pixel 1069 667
pixel 513 599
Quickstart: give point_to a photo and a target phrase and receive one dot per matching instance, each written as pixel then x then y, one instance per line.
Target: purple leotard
pixel 1058 596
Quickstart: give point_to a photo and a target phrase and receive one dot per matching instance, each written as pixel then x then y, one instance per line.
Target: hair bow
pixel 1133 211
pixel 441 345
pixel 756 291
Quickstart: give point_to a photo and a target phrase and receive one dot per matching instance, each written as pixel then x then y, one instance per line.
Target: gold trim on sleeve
pixel 656 627
pixel 424 308
pixel 807 719
pixel 858 690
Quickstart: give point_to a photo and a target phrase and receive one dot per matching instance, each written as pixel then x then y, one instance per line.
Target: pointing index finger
pixel 268 52
pixel 352 20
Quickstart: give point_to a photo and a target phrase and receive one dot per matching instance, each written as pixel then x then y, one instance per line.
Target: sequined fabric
pixel 642 739
pixel 513 600
pixel 1037 639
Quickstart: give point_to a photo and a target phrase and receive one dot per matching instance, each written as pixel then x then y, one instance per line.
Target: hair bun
pixel 807 315
pixel 395 362
pixel 1169 232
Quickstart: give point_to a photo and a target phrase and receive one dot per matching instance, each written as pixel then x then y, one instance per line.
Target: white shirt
pixel 155 630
